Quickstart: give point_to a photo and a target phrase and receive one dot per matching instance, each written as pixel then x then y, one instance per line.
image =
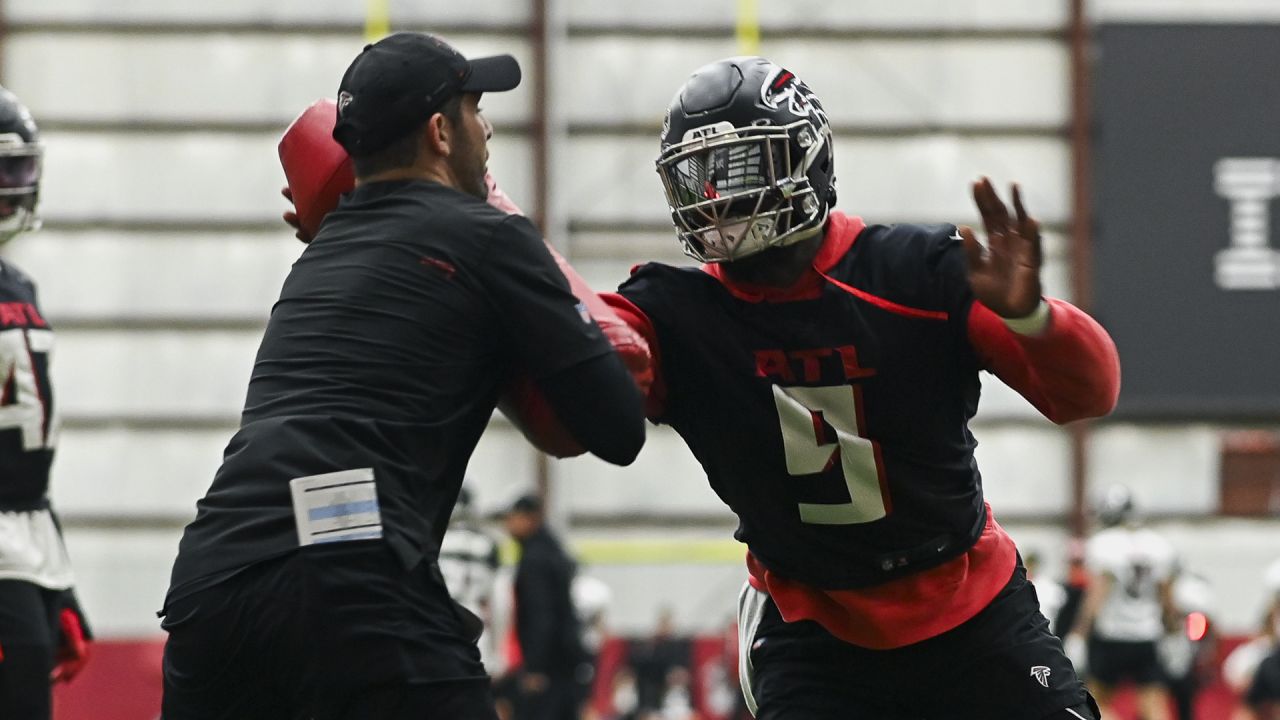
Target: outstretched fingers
pixel 994 213
pixel 995 216
pixel 1028 227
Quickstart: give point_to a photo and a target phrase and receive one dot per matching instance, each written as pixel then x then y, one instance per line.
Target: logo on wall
pixel 1249 263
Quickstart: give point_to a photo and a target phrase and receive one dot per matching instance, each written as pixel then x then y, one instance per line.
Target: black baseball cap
pixel 526 504
pixel 395 84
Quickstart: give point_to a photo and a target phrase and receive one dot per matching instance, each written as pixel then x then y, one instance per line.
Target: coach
pixel 307 585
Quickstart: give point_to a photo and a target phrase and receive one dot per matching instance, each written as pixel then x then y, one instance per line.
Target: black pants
pixel 561 699
pixel 330 632
pixel 1114 661
pixel 28 637
pixel 1003 664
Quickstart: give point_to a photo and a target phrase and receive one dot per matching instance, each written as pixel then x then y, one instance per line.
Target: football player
pixel 469 562
pixel 1129 605
pixel 823 370
pixel 43 634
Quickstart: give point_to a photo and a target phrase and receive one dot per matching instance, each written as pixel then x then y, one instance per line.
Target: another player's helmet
pixel 1116 506
pixel 746 160
pixel 20 160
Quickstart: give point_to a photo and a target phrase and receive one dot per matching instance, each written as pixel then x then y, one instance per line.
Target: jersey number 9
pixel 804 414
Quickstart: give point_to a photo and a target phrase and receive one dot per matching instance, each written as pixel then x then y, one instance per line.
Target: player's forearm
pixel 1077 363
pixel 1169 611
pixel 1069 371
pixel 600 406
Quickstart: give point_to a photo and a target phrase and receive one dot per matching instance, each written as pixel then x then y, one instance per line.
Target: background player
pixel 469 563
pixel 1129 605
pixel 823 372
pixel 43 633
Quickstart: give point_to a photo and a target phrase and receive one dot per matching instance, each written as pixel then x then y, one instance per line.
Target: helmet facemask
pixel 735 192
pixel 20 167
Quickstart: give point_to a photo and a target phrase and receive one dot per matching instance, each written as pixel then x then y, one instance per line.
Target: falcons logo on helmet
pixel 781 87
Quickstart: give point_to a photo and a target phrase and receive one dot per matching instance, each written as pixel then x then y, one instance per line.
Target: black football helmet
pixel 20 162
pixel 746 160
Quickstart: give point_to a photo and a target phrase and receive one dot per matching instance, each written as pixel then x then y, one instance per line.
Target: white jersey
pixel 591 599
pixel 1052 597
pixel 1139 562
pixel 31 550
pixel 1241 664
pixel 469 563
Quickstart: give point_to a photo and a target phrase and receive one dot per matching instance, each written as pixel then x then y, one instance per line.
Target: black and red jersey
pixel 832 416
pixel 834 423
pixel 28 424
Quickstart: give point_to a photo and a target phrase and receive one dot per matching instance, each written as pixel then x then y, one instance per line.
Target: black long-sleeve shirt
pixel 385 356
pixel 546 623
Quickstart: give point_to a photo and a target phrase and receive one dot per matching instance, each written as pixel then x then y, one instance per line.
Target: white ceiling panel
pixel 903 82
pixel 210 77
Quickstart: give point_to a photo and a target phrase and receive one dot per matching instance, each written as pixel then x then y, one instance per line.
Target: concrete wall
pixel 163 251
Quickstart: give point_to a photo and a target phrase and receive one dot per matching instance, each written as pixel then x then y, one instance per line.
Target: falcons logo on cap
pixel 1041 673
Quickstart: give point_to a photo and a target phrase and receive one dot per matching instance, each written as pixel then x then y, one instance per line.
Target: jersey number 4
pixel 23 359
pixel 805 413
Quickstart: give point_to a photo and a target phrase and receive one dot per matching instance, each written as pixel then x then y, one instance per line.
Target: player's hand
pixel 72 653
pixel 291 217
pixel 1005 275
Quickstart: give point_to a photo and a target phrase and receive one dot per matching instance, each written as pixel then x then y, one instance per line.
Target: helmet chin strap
pixel 744 237
pixel 22 220
pixel 748 246
pixel 801 235
pixel 727 240
pixel 807 233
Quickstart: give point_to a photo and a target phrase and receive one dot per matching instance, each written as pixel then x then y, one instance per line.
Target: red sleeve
pixel 656 403
pixel 1069 372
